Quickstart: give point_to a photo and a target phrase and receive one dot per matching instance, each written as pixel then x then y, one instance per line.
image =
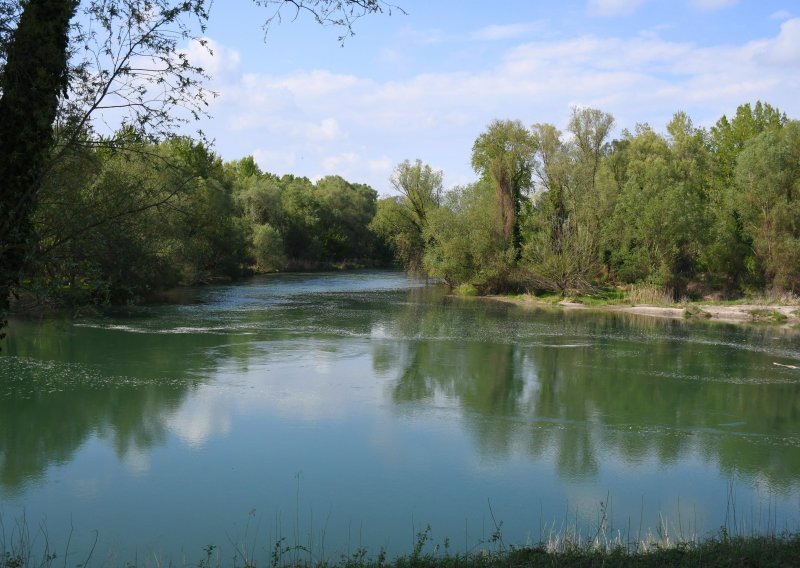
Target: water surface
pixel 354 409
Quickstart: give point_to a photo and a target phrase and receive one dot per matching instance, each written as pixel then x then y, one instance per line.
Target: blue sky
pixel 425 84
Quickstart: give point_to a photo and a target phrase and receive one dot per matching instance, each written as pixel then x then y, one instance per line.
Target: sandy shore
pixel 737 313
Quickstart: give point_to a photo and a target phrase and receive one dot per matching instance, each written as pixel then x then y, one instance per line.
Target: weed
pixel 651 295
pixel 767 316
pixel 466 290
pixel 693 311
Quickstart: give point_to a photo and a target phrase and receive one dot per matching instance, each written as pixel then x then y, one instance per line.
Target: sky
pixel 424 84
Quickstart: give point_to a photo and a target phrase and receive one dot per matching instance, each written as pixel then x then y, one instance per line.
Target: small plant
pixel 692 311
pixel 206 562
pixel 466 290
pixel 650 295
pixel 422 538
pixel 767 316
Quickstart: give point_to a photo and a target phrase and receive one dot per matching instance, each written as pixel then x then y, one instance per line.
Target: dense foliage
pixel 117 226
pixel 73 70
pixel 692 211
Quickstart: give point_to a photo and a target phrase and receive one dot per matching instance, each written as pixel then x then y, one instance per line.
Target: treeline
pixel 116 225
pixel 692 210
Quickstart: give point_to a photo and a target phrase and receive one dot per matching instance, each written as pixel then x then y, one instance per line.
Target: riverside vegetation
pixel 690 213
pixel 557 405
pixel 567 548
pixel 94 220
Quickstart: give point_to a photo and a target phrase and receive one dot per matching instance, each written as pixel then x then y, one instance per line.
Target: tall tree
pixel 464 240
pixel 33 79
pixel 503 155
pixel 767 197
pixel 562 236
pixel 126 58
pixel 402 220
pixel 590 128
pixel 729 244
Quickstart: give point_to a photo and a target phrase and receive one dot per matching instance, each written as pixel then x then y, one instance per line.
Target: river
pixel 349 410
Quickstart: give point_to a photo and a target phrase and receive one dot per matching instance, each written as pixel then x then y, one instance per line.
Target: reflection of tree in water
pixel 583 386
pixel 61 387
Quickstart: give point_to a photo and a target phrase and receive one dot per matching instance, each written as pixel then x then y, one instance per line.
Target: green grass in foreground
pixel 721 551
pixel 754 551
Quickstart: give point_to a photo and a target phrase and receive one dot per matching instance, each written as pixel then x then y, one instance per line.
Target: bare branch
pixel 337 13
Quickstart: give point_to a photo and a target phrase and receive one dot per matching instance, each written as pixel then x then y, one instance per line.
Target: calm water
pixel 355 409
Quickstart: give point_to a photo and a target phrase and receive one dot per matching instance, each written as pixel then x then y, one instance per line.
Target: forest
pixel 96 215
pixel 692 211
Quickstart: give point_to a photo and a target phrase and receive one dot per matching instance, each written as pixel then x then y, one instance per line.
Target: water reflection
pixel 371 382
pixel 588 387
pixel 62 384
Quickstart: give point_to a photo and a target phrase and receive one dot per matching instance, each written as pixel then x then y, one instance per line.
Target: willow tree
pixel 503 155
pixel 401 220
pixel 767 197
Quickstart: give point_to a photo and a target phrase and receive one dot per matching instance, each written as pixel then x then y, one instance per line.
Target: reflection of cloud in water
pixel 87 487
pixel 201 416
pixel 323 381
pixel 137 460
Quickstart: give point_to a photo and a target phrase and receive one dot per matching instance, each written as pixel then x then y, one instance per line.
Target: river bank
pixel 770 550
pixel 788 315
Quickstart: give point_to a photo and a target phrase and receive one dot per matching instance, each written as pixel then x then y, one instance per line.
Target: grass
pixel 635 295
pixel 600 545
pixel 767 316
pixel 651 296
pixel 720 551
pixel 693 311
pixel 771 311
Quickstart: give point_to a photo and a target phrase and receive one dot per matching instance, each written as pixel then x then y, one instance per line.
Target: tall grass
pixel 651 295
pixel 743 540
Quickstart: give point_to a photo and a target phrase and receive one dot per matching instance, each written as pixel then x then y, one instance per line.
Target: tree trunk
pixel 34 77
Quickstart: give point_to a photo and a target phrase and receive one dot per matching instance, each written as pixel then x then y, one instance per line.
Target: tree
pixel 402 221
pixel 563 226
pixel 34 76
pixel 729 244
pixel 342 14
pixel 503 155
pixel 767 197
pixel 345 211
pixel 590 128
pixel 128 68
pixel 728 137
pixel 656 229
pixel 421 186
pixel 465 241
pixel 170 225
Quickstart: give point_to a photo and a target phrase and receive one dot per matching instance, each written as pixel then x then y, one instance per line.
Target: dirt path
pixel 737 313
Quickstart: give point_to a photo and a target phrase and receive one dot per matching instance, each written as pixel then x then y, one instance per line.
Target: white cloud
pixel 613 7
pixel 275 161
pixel 507 31
pixel 397 59
pixel 781 15
pixel 381 166
pixel 785 49
pixel 221 63
pixel 712 5
pixel 340 164
pixel 315 123
pixel 326 130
